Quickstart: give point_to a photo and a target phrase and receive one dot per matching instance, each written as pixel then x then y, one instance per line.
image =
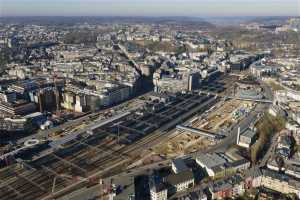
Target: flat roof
pixel 179 165
pixel 210 160
pixel 248 133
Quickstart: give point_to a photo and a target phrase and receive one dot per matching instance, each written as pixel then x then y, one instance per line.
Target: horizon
pixel 149 16
pixel 147 8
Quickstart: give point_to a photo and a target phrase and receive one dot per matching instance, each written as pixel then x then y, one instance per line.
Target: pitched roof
pixel 253 172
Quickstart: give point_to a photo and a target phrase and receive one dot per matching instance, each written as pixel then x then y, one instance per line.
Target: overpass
pixel 204 133
pixel 27 145
pixel 239 98
pixel 249 99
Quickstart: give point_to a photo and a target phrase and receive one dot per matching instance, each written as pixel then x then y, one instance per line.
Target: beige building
pixel 280 183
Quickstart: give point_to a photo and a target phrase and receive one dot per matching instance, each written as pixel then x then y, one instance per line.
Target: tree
pixel 266 127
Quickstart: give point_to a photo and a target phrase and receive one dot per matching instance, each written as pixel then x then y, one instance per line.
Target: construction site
pixel 217 120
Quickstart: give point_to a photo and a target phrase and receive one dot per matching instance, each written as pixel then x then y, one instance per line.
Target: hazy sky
pixel 149 7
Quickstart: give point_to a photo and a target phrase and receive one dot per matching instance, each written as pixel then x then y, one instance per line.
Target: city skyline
pixel 193 8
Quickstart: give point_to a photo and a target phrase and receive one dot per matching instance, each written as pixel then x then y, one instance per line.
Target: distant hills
pixel 274 19
pixel 118 19
pixel 207 22
pixel 225 21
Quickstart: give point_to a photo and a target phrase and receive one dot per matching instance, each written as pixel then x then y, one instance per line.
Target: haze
pixel 149 7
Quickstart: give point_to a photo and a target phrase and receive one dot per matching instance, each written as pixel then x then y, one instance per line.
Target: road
pixel 271 150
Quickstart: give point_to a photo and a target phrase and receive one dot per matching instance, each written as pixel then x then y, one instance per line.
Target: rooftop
pixel 179 165
pixel 248 133
pixel 226 184
pixel 181 177
pixel 210 160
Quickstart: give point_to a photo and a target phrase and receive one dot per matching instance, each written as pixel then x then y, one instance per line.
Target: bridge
pixel 249 99
pixel 27 145
pixel 204 133
pixel 239 98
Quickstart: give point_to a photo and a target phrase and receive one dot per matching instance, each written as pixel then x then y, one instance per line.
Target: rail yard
pixel 85 158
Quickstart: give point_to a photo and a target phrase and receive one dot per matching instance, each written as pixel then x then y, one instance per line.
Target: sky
pixel 196 8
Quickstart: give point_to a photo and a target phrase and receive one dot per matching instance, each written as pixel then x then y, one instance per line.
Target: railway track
pixel 88 153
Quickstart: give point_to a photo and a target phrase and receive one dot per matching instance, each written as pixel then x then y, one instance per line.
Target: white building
pixel 210 161
pixel 162 188
pixel 246 139
pixel 158 192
